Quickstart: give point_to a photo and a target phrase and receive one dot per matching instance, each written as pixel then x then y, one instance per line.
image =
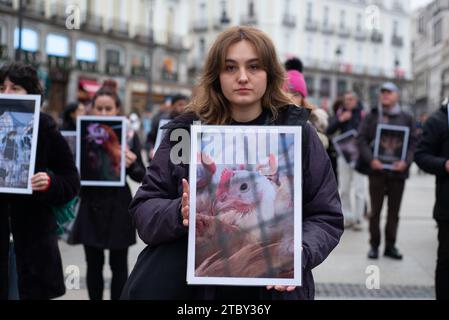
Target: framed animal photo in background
pixel 391 144
pixel 19 126
pixel 346 146
pixel 100 150
pixel 245 206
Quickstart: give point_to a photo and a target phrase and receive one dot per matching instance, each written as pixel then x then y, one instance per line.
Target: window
pixel 86 51
pixel 309 11
pixel 342 87
pixel 421 25
pixel 251 10
pixel 310 84
pixel 113 57
pixel 342 19
pixel 30 40
pixel 287 5
pixel 359 22
pixel 203 13
pixel 57 45
pixel 395 27
pixel 326 16
pixel 202 49
pixel 1 34
pixel 438 32
pixel 325 87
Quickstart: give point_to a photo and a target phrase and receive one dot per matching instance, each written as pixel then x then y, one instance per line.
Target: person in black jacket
pixel 432 156
pixel 242 84
pixel 103 221
pixel 30 218
pixel 72 111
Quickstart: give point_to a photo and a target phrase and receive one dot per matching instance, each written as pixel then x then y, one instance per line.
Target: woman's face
pixel 243 81
pixel 105 106
pixel 9 87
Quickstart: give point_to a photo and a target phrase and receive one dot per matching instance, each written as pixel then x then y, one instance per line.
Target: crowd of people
pixel 242 84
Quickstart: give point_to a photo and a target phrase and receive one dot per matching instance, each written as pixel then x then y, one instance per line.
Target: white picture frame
pixel 259 232
pixel 19 119
pixel 346 146
pixel 91 177
pixel 395 146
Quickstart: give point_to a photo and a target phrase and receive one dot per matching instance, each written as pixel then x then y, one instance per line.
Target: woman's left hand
pixel 130 158
pixel 40 182
pixel 282 288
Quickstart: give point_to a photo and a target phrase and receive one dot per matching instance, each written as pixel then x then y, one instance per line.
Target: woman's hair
pixel 109 89
pixel 208 100
pixel 337 105
pixel 69 109
pixel 23 75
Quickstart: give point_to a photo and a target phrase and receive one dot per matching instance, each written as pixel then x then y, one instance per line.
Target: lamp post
pixel 150 57
pixel 20 27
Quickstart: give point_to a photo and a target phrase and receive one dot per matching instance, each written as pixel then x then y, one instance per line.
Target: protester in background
pixel 71 113
pixel 242 84
pixel 382 182
pixel 338 104
pixel 349 117
pixel 30 217
pixel 294 63
pixel 297 87
pixel 432 156
pixel 103 222
pixel 178 104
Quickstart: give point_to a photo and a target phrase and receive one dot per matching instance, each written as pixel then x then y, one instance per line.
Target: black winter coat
pixel 103 221
pixel 33 222
pixel 160 272
pixel 431 155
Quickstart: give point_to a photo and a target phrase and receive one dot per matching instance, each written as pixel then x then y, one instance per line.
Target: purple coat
pixel 160 272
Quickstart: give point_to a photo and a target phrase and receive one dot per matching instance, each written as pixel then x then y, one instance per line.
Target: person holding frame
pixel 30 217
pixel 103 222
pixel 242 84
pixel 385 182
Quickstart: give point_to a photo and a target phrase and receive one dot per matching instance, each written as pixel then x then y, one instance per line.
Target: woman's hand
pixel 185 203
pixel 282 288
pixel 40 182
pixel 130 158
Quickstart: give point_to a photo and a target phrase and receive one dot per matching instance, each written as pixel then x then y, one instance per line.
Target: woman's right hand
pixel 185 203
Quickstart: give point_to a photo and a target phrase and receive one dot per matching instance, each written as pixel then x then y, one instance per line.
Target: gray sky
pixel 415 4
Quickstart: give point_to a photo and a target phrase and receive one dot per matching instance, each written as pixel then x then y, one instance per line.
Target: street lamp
pixel 150 56
pixel 20 27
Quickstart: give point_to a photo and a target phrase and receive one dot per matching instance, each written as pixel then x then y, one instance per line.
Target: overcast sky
pixel 419 3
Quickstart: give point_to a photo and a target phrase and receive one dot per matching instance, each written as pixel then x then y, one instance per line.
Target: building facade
pixel 344 45
pixel 78 44
pixel 431 55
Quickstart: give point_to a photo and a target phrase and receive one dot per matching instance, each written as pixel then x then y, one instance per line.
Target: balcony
pixel 248 19
pixel 33 58
pixel 87 66
pixel 200 25
pixel 113 69
pixel 6 4
pixel 397 41
pixel 344 32
pixel 93 22
pixel 57 14
pixel 360 35
pixel 311 25
pixel 327 29
pixel 3 52
pixel 174 41
pixel 143 34
pixel 35 8
pixel 139 71
pixel 169 76
pixel 289 21
pixel 377 37
pixel 119 27
pixel 61 63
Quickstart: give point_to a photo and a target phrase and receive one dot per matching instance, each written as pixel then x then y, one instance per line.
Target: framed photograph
pixel 160 133
pixel 245 206
pixel 100 150
pixel 19 127
pixel 70 137
pixel 391 144
pixel 346 146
